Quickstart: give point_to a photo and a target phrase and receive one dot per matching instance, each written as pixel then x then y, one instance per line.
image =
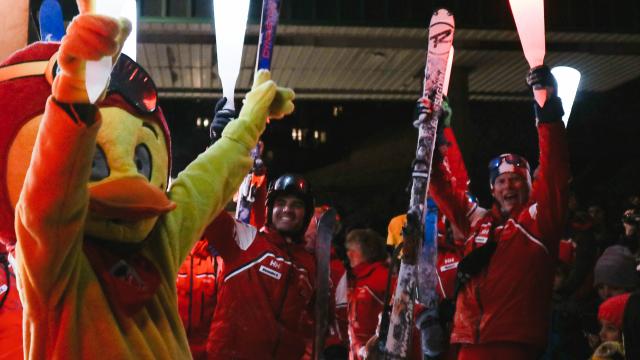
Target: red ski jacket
pixel 510 300
pixel 10 312
pixel 265 299
pixel 197 285
pixel 366 301
pixel 338 333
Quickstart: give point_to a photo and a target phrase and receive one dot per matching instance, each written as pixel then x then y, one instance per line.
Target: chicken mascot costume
pixel 99 238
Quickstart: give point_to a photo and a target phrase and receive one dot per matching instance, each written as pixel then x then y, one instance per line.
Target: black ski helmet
pixel 291 184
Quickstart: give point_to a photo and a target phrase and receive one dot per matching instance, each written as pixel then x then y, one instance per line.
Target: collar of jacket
pixel 201 249
pixel 500 218
pixel 275 238
pixel 365 269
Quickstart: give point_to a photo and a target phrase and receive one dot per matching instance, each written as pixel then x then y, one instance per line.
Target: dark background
pixel 603 135
pixel 603 131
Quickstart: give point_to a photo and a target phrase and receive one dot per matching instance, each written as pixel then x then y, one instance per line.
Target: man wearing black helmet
pixel 264 308
pixel 505 278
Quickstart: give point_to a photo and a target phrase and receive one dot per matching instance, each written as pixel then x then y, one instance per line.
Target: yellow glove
pixel 282 103
pixel 264 100
pixel 89 37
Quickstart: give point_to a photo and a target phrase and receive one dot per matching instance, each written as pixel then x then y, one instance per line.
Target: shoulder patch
pixel 244 235
pixel 341 291
pixel 533 211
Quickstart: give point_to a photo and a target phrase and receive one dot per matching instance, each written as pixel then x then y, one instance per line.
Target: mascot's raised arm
pixel 99 237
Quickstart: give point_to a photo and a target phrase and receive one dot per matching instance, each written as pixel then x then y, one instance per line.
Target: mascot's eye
pixel 143 160
pixel 99 167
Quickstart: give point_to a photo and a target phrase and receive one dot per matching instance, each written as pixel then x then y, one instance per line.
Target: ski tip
pixel 328 216
pixel 442 16
pixel 442 12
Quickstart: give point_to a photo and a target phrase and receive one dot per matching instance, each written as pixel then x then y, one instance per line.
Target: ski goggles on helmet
pixel 508 163
pixel 127 78
pixel 135 85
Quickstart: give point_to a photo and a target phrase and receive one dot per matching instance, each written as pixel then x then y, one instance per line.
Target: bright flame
pixel 230 25
pixel 568 80
pixel 130 11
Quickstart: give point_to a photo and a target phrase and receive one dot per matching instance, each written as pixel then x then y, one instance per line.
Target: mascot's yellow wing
pixel 203 189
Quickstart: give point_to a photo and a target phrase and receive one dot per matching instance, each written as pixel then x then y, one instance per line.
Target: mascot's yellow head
pixel 132 157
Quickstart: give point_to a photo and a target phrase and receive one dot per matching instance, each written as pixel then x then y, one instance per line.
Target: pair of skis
pixel 420 247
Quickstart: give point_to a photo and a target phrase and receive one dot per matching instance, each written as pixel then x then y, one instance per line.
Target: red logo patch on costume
pixel 128 274
pixel 128 279
pixel 270 272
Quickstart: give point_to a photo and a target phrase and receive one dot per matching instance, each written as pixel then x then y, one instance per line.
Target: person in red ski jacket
pixel 367 257
pixel 10 311
pixel 265 301
pixel 504 301
pixel 198 284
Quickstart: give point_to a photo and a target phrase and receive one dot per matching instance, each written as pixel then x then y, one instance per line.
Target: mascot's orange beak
pixel 128 198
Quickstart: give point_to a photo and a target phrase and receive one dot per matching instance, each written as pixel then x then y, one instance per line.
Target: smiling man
pixel 265 305
pixel 505 279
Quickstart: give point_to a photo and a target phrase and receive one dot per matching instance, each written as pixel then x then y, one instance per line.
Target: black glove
pixel 541 77
pixel 220 120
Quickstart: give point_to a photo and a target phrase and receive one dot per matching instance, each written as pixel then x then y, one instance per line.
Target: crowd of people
pixel 111 262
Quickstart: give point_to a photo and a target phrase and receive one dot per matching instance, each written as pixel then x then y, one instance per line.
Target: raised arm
pixel 229 236
pixel 208 183
pixel 52 208
pixel 550 188
pixel 449 183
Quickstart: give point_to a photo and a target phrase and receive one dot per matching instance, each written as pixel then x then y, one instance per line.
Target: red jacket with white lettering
pixel 265 303
pixel 197 283
pixel 366 301
pixel 510 300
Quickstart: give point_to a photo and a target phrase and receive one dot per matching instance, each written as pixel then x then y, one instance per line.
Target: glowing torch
pixel 230 18
pixel 568 80
pixel 529 18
